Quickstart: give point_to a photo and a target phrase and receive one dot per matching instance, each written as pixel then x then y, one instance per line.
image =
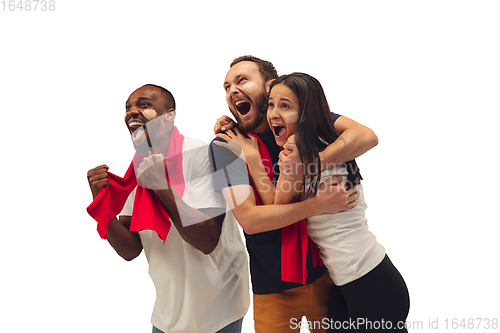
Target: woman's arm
pixel 287 191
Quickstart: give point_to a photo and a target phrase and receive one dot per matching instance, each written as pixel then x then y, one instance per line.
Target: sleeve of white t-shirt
pixel 129 205
pixel 199 188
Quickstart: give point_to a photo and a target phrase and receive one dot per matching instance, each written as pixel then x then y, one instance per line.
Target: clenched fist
pixel 151 172
pixel 98 178
pixel 290 163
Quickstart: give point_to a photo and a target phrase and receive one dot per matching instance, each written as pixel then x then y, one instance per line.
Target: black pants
pixel 377 302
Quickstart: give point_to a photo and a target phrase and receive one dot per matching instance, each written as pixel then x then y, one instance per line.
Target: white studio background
pixel 424 75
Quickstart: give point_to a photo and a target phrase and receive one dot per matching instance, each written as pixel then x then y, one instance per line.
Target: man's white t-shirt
pixel 197 292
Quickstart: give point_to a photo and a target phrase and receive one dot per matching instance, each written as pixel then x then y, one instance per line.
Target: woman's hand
pixel 224 123
pixel 290 164
pixel 238 143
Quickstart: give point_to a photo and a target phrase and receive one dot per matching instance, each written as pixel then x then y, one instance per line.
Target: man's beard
pixel 141 148
pixel 159 135
pixel 260 115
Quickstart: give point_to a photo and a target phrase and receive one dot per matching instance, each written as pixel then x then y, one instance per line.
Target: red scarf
pixel 294 238
pixel 148 213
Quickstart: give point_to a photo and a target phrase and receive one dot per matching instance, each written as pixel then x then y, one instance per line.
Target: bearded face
pixel 249 121
pixel 246 96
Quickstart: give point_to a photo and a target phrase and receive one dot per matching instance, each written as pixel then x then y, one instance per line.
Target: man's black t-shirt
pixel 264 248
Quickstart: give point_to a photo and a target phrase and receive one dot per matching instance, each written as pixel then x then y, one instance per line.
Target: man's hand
pixel 151 172
pixel 333 197
pixel 290 164
pixel 98 178
pixel 224 123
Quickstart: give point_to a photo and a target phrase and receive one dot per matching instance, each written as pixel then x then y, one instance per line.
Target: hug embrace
pixel 285 172
pixel 365 282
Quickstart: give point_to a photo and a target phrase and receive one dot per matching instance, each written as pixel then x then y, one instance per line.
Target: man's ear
pixel 268 86
pixel 170 115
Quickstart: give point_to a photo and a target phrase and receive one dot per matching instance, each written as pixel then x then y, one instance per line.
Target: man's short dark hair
pixel 169 97
pixel 266 68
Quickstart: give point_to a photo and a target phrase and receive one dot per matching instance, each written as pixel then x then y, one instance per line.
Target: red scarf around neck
pixel 148 213
pixel 294 238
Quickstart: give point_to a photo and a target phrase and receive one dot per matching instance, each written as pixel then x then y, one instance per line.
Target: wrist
pixel 323 161
pixel 291 171
pixel 164 193
pixel 95 192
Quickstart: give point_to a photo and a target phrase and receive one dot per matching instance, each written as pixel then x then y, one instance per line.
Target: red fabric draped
pixel 148 213
pixel 294 238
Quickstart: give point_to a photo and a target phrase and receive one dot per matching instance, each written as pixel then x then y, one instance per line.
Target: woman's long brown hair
pixel 314 131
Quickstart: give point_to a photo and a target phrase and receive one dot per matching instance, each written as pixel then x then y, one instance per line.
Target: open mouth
pixel 278 130
pixel 138 133
pixel 243 107
pixel 136 127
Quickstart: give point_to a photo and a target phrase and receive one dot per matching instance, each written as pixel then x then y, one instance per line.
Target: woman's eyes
pixel 283 106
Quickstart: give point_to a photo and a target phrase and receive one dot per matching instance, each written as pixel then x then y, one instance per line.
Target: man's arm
pixel 331 198
pixel 354 140
pixel 231 177
pixel 126 243
pixel 199 228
